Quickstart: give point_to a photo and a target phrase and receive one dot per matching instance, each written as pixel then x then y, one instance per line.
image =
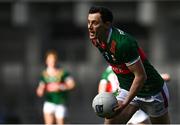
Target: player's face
pixel 96 26
pixel 50 60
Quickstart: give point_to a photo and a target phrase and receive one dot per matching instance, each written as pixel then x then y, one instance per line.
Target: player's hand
pixel 119 108
pixel 166 77
pixel 62 87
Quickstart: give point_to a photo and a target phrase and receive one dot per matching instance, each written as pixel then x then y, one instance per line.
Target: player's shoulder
pixel 61 70
pixel 118 31
pixel 122 38
pixel 43 73
pixel 64 72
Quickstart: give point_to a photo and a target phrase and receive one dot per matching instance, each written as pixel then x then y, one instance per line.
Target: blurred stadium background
pixel 30 27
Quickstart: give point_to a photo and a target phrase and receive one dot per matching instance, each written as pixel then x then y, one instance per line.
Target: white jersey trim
pixel 109 36
pixel 133 62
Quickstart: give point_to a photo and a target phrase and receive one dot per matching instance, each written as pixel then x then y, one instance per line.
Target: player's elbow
pixel 71 85
pixel 142 78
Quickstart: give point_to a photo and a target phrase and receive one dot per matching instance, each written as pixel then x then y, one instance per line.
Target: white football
pixel 104 104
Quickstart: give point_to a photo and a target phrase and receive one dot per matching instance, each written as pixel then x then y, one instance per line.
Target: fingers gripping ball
pixel 104 104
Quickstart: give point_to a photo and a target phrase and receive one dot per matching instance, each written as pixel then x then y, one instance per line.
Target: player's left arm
pixel 133 62
pixel 69 83
pixel 140 76
pixel 138 70
pixel 135 65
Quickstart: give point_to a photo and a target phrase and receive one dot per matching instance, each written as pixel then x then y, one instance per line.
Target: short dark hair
pixel 106 14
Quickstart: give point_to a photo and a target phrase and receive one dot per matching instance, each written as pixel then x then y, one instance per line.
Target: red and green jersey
pixel 59 97
pixel 120 51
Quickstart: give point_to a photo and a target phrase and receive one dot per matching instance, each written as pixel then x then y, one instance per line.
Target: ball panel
pixel 104 103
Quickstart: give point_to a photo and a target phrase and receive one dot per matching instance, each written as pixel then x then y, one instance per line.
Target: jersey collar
pixel 109 36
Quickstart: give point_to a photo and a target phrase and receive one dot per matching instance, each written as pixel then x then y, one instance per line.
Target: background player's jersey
pixel 120 51
pixel 59 97
pixel 110 79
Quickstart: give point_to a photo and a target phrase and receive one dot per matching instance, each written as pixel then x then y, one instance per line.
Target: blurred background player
pixel 54 85
pixel 110 83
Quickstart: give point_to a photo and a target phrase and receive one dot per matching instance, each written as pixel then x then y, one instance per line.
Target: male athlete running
pixel 142 87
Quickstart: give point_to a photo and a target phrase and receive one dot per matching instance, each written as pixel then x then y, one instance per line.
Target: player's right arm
pixel 40 89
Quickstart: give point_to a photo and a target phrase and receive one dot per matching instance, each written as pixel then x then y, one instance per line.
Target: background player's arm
pixel 140 76
pixel 166 77
pixel 102 86
pixel 69 83
pixel 40 89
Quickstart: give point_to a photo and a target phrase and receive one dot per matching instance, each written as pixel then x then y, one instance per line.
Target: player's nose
pixel 89 26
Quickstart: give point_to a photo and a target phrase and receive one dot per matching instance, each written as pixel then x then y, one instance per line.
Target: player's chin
pixel 92 36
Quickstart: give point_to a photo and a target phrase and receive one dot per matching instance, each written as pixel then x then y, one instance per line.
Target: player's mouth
pixel 91 34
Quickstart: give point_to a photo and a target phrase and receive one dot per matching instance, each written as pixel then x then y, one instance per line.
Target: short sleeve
pixel 66 75
pixel 130 55
pixel 41 79
pixel 106 73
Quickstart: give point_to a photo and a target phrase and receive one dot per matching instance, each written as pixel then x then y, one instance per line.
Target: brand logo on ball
pixel 99 108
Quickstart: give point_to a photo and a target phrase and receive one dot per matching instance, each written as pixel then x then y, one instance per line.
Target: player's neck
pixel 105 37
pixel 51 69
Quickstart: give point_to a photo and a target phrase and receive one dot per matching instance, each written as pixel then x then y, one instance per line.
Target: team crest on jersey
pixel 109 57
pixel 113 46
pixel 113 58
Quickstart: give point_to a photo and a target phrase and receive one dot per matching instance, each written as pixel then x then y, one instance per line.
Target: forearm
pixel 135 87
pixel 69 84
pixel 139 78
pixel 40 90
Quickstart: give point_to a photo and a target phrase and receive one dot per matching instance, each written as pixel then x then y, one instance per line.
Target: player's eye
pixel 95 23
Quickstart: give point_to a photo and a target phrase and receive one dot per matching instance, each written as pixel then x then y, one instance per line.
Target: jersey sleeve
pixel 106 73
pixel 130 54
pixel 104 77
pixel 41 79
pixel 66 76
